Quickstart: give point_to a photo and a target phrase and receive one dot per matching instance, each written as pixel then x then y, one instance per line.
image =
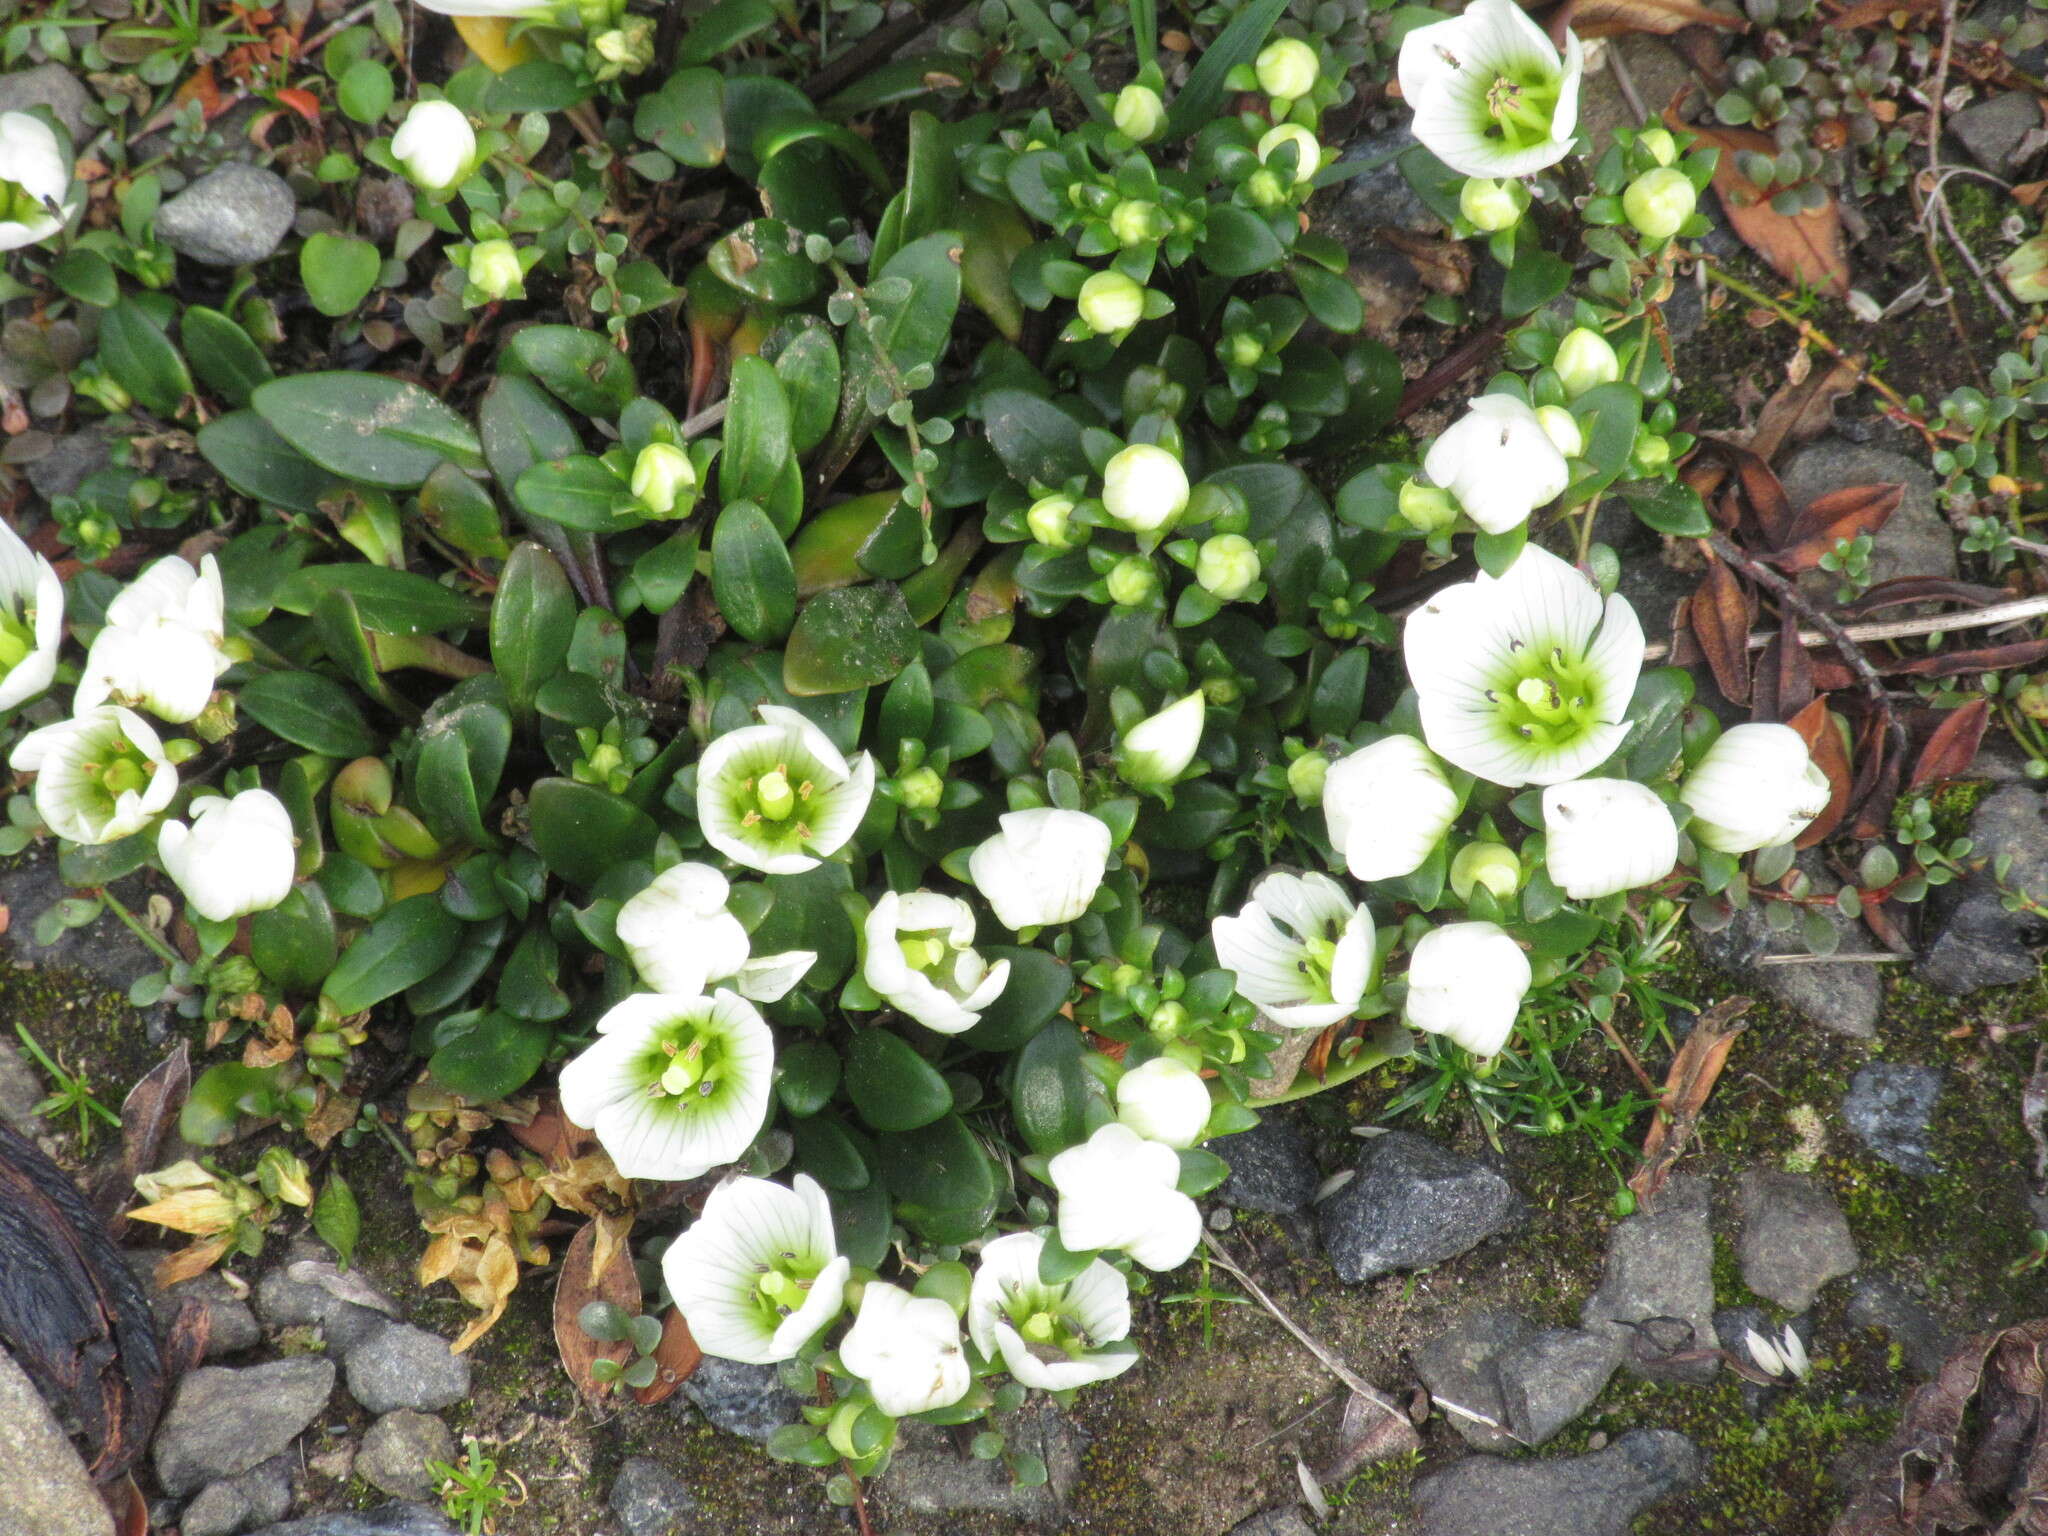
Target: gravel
pixel 1412 1204
pixel 745 1400
pixel 55 87
pixel 1550 1379
pixel 1915 541
pixel 1272 1167
pixel 1458 1366
pixel 258 1497
pixel 1275 1522
pixel 1880 1301
pixel 1794 1238
pixel 397 1449
pixel 1660 1266
pixel 650 1500
pixel 1889 1108
pixel 1596 1495
pixel 229 217
pixel 1995 132
pixel 43 1484
pixel 308 1291
pixel 225 1421
pixel 231 1326
pixel 395 1519
pixel 400 1366
pixel 929 1477
pixel 1979 943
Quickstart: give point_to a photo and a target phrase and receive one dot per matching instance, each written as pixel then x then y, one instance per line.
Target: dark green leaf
pixel 893 1087
pixel 533 616
pixel 1038 988
pixel 263 466
pixel 577 492
pixel 1050 1088
pixel 223 356
pixel 338 272
pixel 294 943
pixel 135 350
pixel 310 711
pixel 366 427
pixel 497 1056
pixel 854 637
pixel 686 117
pixel 582 368
pixel 580 831
pixel 391 602
pixel 411 941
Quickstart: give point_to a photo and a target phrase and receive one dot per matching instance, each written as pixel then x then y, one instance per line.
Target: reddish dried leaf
pixel 1661 18
pixel 1923 589
pixel 128 1507
pixel 1840 514
pixel 1805 247
pixel 1443 266
pixel 552 1136
pixel 675 1359
pixel 1770 508
pixel 1817 728
pixel 148 1115
pixel 1953 746
pixel 1879 13
pixel 575 1289
pixel 1989 658
pixel 1877 779
pixel 1877 917
pixel 1783 684
pixel 1800 412
pixel 305 103
pixel 1719 617
pixel 1694 1071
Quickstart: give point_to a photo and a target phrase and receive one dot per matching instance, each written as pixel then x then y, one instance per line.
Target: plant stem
pixel 162 950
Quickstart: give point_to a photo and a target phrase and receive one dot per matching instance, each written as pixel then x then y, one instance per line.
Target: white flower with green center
pixel 1118 1190
pixel 1524 678
pixel 237 857
pixel 163 644
pixel 1387 805
pixel 100 776
pixel 673 1086
pixel 1757 787
pixel 1499 462
pixel 1302 950
pixel 1044 866
pixel 1053 1337
pixel 31 620
pixel 35 175
pixel 921 960
pixel 1490 95
pixel 682 939
pixel 759 1273
pixel 1606 835
pixel 907 1349
pixel 778 796
pixel 1466 982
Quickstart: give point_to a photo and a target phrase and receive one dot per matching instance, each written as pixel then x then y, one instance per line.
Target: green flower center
pixel 1548 699
pixel 686 1065
pixel 18 205
pixel 1044 1325
pixel 1522 109
pixel 927 953
pixel 17 641
pixel 783 1286
pixel 122 769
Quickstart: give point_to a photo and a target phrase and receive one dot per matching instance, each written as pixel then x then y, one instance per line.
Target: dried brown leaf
pixel 1718 615
pixel 1843 513
pixel 1368 1434
pixel 1805 247
pixel 1763 495
pixel 1953 746
pixel 1661 18
pixel 1694 1071
pixel 1817 728
pixel 1441 265
pixel 1923 589
pixel 1783 680
pixel 585 1279
pixel 1801 411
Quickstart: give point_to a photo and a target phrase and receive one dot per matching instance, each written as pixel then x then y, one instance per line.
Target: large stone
pixel 1915 541
pixel 395 1519
pixel 1889 1108
pixel 1380 198
pixel 745 1400
pixel 224 1421
pixel 652 1501
pixel 1658 73
pixel 1411 1204
pixel 258 1497
pixel 1458 1366
pixel 2000 134
pixel 21 1090
pixel 43 1485
pixel 1795 1239
pixel 1596 1495
pixel 930 1476
pixel 1272 1167
pixel 1550 1379
pixel 1978 942
pixel 397 1450
pixel 229 217
pixel 400 1366
pixel 1656 1293
pixel 55 87
pixel 231 1326
pixel 103 949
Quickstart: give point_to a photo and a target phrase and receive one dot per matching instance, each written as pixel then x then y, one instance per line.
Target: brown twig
pixel 1897 629
pixel 1468 354
pixel 875 47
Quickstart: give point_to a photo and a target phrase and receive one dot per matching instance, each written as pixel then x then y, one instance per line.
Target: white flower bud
pixel 1132 581
pixel 435 144
pixel 1492 865
pixel 1756 788
pixel 1606 835
pixel 1386 806
pixel 1466 982
pixel 1659 202
pixel 1134 221
pixel 1287 67
pixel 664 480
pixel 1043 867
pixel 1306 776
pixel 1498 461
pixel 1492 205
pixel 1658 144
pixel 1139 113
pixel 1158 749
pixel 1226 566
pixel 1144 488
pixel 1585 361
pixel 907 1349
pixel 237 857
pixel 1111 303
pixel 1048 521
pixel 495 269
pixel 1308 154
pixel 1164 1100
pixel 1117 1190
pixel 1562 428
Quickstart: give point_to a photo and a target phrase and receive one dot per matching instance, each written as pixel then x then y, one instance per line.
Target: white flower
pixel 759 1273
pixel 31 620
pixel 778 796
pixel 237 857
pixel 1144 488
pixel 1043 867
pixel 1786 1357
pixel 1164 1100
pixel 1498 461
pixel 484 7
pixel 1489 93
pixel 35 175
pixel 1466 981
pixel 100 775
pixel 1117 1190
pixel 682 939
pixel 673 1086
pixel 907 1349
pixel 1386 806
pixel 1755 788
pixel 1053 1337
pixel 1524 679
pixel 1606 835
pixel 162 646
pixel 1158 749
pixel 921 960
pixel 435 144
pixel 1302 950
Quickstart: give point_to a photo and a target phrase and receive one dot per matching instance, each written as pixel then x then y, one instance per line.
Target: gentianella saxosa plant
pixel 883 907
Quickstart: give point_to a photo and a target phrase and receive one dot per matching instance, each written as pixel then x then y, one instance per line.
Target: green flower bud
pixel 1227 566
pixel 1305 777
pixel 2026 271
pixel 1427 508
pixel 1489 864
pixel 1658 144
pixel 1287 67
pixel 1134 222
pixel 1585 361
pixel 1562 428
pixel 664 480
pixel 1167 1021
pixel 921 789
pixel 1111 303
pixel 1652 453
pixel 1048 520
pixel 495 270
pixel 1264 189
pixel 626 49
pixel 1243 350
pixel 1492 205
pixel 1139 113
pixel 1132 581
pixel 1659 202
pixel 1308 154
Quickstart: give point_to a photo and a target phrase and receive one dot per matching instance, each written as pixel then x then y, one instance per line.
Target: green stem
pixel 162 950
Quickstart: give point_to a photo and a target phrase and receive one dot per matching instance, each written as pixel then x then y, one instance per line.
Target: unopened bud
pixel 1111 303
pixel 1139 113
pixel 1492 205
pixel 1287 67
pixel 1491 865
pixel 1132 581
pixel 1585 361
pixel 1426 508
pixel 1659 202
pixel 1227 566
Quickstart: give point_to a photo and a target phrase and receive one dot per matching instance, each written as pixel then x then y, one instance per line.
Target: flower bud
pixel 1132 581
pixel 435 144
pixel 1606 835
pixel 1111 303
pixel 496 271
pixel 1144 488
pixel 1562 428
pixel 1585 361
pixel 1134 221
pixel 1658 202
pixel 664 480
pixel 2026 271
pixel 921 789
pixel 282 1176
pixel 627 49
pixel 1227 566
pixel 1756 788
pixel 1264 189
pixel 1048 521
pixel 1158 749
pixel 1658 144
pixel 1427 508
pixel 1305 776
pixel 1652 453
pixel 1164 1100
pixel 1139 113
pixel 1466 981
pixel 1491 865
pixel 1287 67
pixel 1308 154
pixel 1492 205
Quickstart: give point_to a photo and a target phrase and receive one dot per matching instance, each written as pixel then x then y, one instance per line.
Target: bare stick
pixel 1625 79
pixel 1874 957
pixel 1895 629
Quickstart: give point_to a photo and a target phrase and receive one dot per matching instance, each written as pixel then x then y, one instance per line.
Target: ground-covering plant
pixel 917 772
